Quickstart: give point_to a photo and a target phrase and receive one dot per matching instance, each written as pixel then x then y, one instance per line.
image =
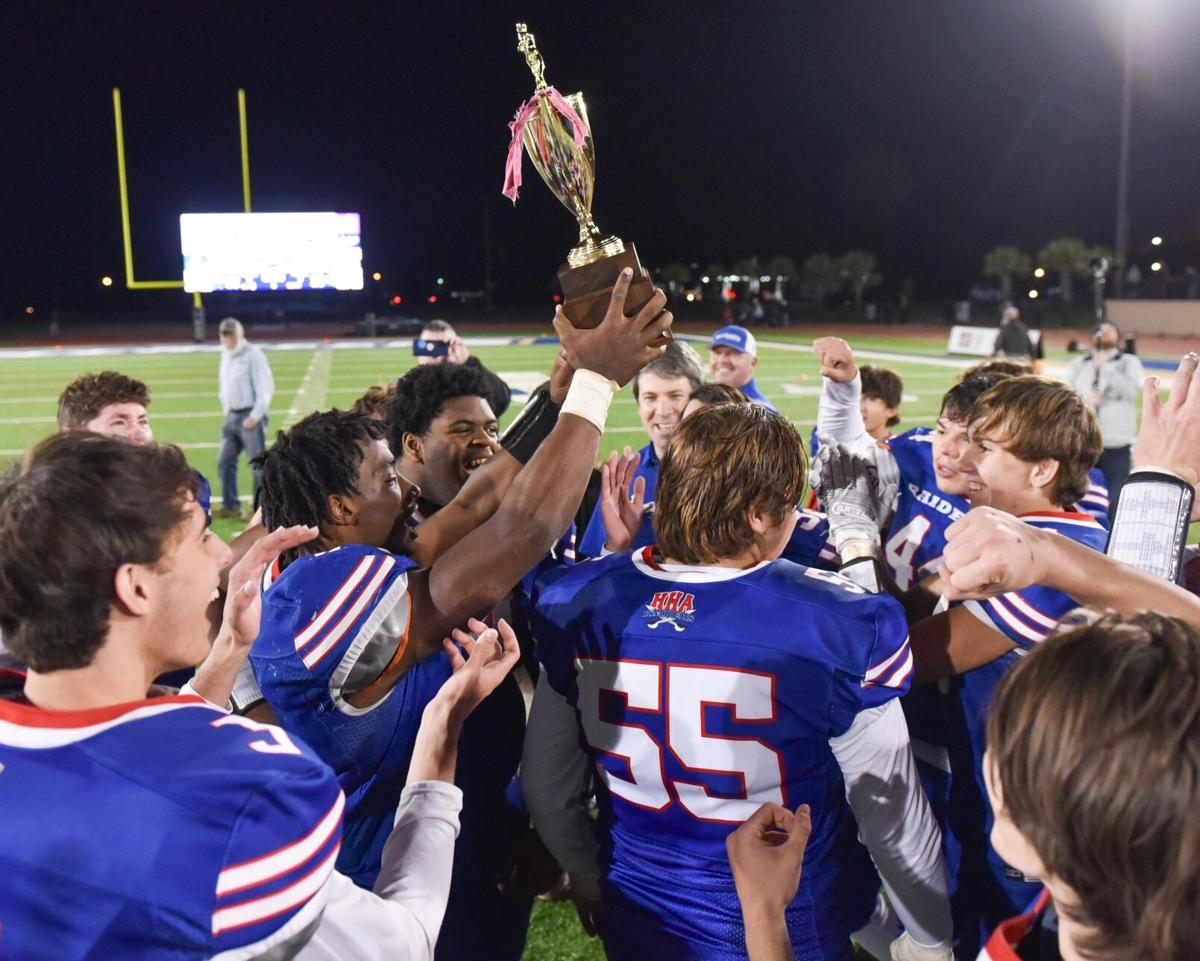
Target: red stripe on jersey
pixel 1002 945
pixel 648 557
pixel 1057 515
pixel 28 715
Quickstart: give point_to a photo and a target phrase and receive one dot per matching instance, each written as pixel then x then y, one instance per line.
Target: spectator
pixel 245 388
pixel 733 355
pixel 1013 342
pixel 428 349
pixel 662 389
pixel 1108 379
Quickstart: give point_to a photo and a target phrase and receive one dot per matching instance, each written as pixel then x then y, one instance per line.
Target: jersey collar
pixel 645 561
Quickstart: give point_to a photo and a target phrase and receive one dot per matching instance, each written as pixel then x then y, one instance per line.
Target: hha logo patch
pixel 670 607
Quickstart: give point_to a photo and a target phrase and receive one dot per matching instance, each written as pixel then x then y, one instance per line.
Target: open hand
pixel 458 352
pixel 1170 433
pixel 620 512
pixel 620 346
pixel 836 359
pixel 243 607
pixel 481 658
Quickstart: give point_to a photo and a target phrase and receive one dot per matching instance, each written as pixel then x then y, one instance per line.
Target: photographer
pixel 1109 380
pixel 439 344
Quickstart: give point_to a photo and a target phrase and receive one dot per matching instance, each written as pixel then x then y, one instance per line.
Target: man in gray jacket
pixel 245 387
pixel 1110 380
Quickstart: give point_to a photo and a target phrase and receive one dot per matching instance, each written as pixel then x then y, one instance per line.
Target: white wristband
pixel 589 397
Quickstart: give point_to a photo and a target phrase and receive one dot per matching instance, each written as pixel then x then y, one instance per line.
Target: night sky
pixel 923 130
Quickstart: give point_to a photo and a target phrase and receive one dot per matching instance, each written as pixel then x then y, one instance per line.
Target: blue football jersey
pixel 1095 501
pixel 811 544
pixel 592 542
pixel 162 828
pixel 916 537
pixel 331 624
pixel 990 890
pixel 702 693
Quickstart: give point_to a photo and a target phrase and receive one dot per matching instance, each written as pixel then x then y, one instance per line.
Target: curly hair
pixel 88 394
pixel 374 402
pixel 317 458
pixel 79 507
pixel 421 394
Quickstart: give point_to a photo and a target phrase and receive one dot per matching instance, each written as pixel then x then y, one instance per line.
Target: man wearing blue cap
pixel 733 357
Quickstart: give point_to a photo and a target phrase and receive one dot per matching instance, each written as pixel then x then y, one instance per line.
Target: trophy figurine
pixel 555 131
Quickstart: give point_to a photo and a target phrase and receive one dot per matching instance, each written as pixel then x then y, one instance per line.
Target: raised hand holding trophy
pixel 565 159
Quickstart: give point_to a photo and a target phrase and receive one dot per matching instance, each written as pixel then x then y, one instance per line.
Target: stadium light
pixel 1033 295
pixel 1156 241
pixel 1156 266
pixel 377 276
pixel 105 281
pixel 1039 272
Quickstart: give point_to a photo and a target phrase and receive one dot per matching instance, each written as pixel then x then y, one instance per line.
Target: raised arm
pixel 402 917
pixel 476 572
pixel 989 553
pixel 838 413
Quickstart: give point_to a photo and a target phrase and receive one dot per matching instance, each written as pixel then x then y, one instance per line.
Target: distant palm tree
pixel 1069 256
pixel 858 266
pixel 782 269
pixel 1003 263
pixel 714 272
pixel 676 276
pixel 821 274
pixel 751 270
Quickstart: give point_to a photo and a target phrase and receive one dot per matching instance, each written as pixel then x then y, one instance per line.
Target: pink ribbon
pixel 512 169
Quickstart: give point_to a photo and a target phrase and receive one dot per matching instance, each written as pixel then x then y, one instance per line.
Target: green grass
pixel 185 411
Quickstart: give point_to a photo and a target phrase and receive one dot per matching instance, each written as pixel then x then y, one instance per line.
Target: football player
pixel 352 620
pixel 140 828
pixel 706 677
pixel 441 426
pixel 1032 441
pixel 1092 769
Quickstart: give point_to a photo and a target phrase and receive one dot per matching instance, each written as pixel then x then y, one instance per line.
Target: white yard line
pixel 310 395
pixel 873 354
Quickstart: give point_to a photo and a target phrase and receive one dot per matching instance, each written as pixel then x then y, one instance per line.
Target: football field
pixel 316 376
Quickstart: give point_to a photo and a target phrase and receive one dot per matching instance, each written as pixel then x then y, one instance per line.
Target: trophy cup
pixel 566 161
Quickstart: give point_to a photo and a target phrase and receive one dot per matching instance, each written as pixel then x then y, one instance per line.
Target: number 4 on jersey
pixel 902 546
pixel 690 689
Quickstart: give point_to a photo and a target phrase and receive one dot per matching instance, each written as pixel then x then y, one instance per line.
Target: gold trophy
pixel 565 158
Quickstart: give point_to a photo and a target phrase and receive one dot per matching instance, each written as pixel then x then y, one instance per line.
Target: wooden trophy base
pixel 587 289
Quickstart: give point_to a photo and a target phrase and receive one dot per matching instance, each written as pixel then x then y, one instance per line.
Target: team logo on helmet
pixel 670 607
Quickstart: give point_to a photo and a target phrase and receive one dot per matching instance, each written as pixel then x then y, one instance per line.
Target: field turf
pixel 184 410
